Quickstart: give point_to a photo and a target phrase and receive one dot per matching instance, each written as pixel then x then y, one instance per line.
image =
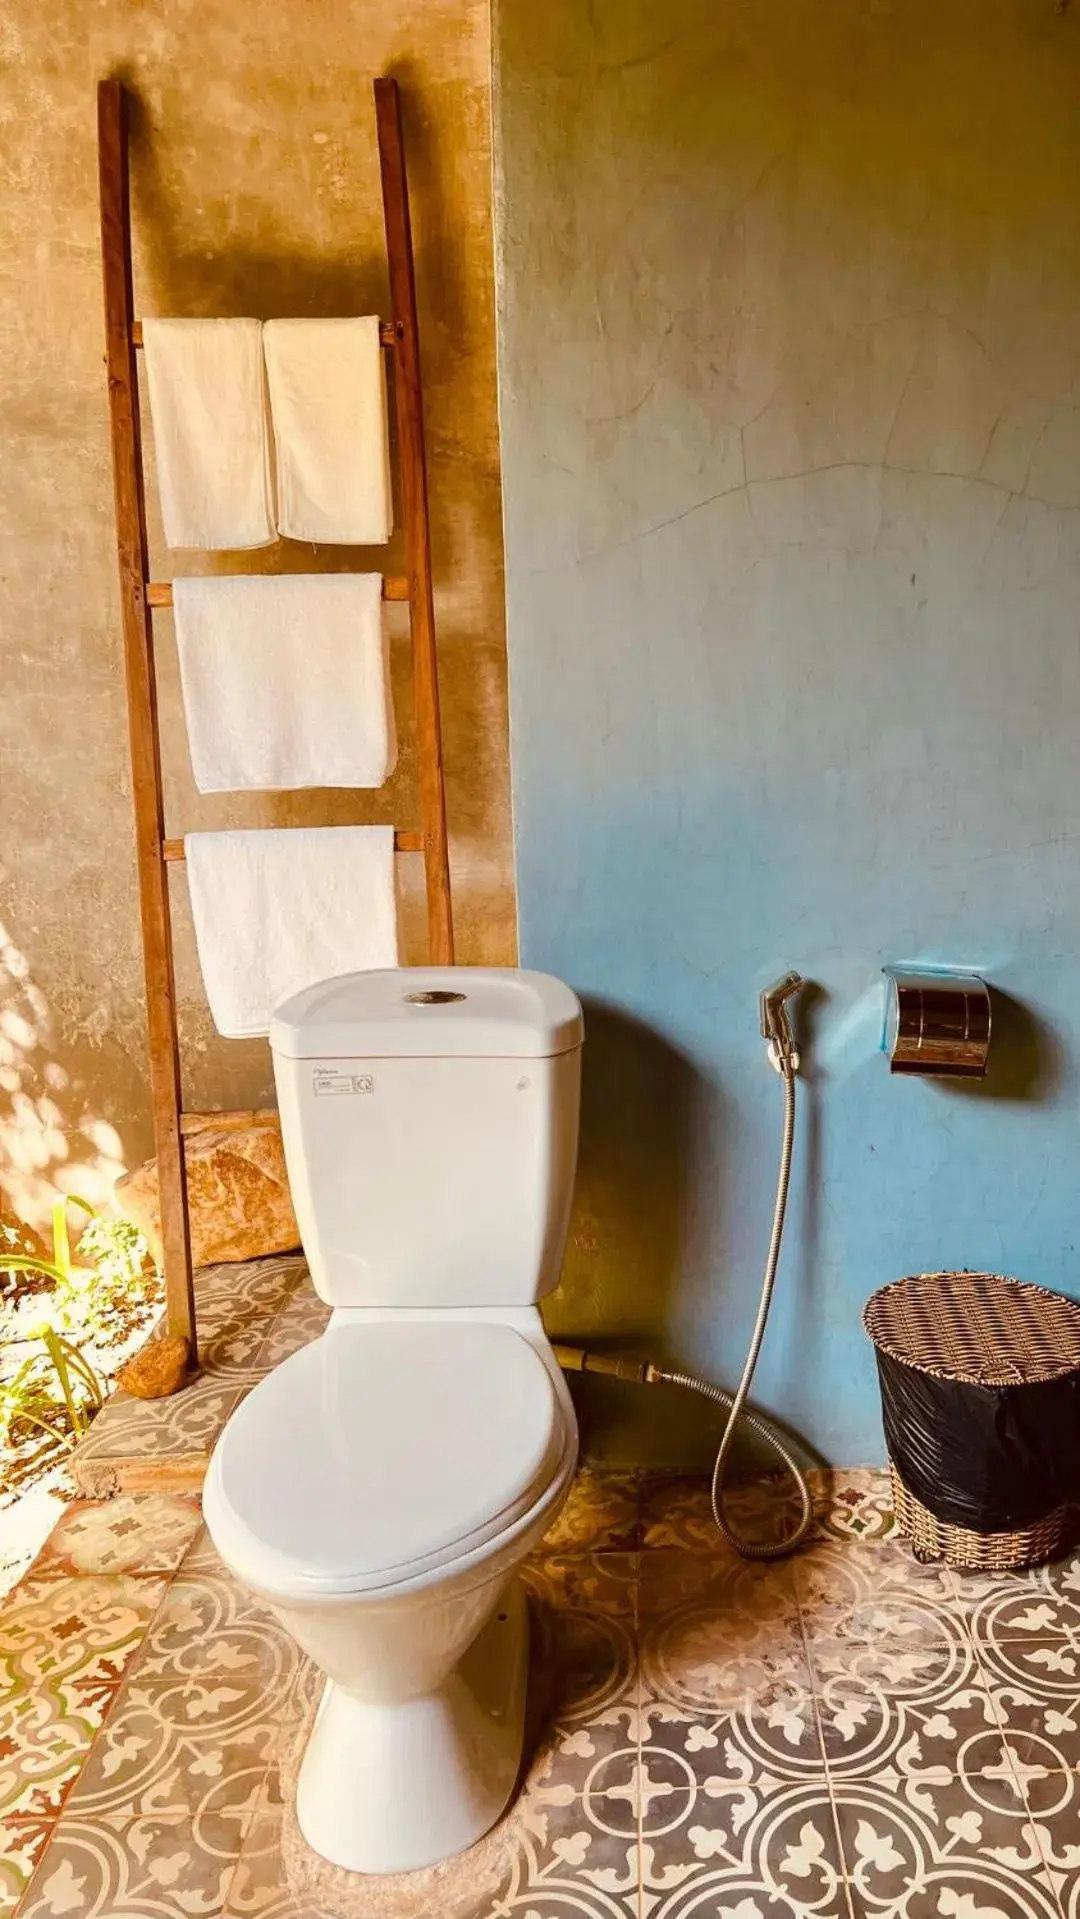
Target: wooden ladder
pixel 139 595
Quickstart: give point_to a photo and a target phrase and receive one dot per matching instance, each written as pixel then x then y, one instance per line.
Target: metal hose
pixel 647 1373
pixel 751 1548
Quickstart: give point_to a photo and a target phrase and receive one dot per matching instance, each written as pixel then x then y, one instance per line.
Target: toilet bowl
pixel 378 1491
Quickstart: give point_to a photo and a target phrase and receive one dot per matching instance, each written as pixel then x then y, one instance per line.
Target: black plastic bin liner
pixel 991 1458
pixel 980 1393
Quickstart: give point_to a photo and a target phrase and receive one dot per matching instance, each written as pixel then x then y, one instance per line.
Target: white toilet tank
pixel 430 1122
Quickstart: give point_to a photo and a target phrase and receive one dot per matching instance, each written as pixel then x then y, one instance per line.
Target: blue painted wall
pixel 790 376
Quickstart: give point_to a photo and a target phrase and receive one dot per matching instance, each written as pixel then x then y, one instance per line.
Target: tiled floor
pixel 846 1734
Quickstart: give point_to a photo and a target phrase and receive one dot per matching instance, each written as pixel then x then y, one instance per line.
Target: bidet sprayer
pixel 776 1031
pixel 775 1024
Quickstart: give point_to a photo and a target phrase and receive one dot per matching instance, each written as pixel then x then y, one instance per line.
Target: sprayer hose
pixel 750 1548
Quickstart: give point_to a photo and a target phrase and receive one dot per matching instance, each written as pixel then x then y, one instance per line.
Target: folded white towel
pixel 275 911
pixel 286 680
pixel 328 398
pixel 211 431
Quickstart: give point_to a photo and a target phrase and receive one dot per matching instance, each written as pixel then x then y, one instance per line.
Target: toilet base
pixel 391 1788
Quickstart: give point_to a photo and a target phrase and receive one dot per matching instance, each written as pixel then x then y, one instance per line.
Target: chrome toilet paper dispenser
pixel 937 1021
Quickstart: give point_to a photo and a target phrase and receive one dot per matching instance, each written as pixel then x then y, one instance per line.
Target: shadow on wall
pixel 800 1266
pixel 650 1194
pixel 647 1115
pixel 1025 1061
pixel 288 279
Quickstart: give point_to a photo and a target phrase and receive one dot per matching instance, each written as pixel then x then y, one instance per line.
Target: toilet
pixel 378 1491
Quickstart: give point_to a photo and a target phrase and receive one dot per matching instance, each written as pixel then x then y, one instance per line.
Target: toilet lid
pixel 381 1451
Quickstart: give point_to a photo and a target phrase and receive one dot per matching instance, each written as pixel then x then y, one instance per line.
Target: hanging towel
pixel 286 681
pixel 328 399
pixel 211 431
pixel 278 910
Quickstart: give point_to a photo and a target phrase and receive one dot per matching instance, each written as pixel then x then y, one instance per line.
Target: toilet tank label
pixel 331 1079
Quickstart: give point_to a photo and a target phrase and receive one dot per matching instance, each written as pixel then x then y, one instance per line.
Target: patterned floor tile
pixel 964 1847
pixel 759 1598
pixel 202 1557
pixel 208 1624
pixel 583 1670
pixel 1050 1791
pixel 1064 1577
pixel 603 1583
pixel 771 1732
pixel 134 1868
pixel 248 1289
pixel 869 1592
pixel 232 1350
pixel 764 1851
pixel 725 1684
pixel 135 1532
pixel 1038 1604
pixel 896 1709
pixel 582 1618
pixel 600 1514
pixel 590 1760
pixel 690 1716
pixel 571 1859
pixel 22 1844
pixel 153 1429
pixel 179 1747
pixel 715 1631
pixel 303 1318
pixel 676 1512
pixel 46 1732
pixel 85 1629
pixel 1057 1830
pixel 259 1887
pixel 853 1504
pixel 1034 1686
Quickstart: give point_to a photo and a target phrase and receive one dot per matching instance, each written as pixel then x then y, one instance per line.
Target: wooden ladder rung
pixel 236 1121
pixel 159 593
pixel 404 842
pixel 388 335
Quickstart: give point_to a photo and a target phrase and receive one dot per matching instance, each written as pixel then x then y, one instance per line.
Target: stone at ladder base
pixel 239 1205
pixel 160 1369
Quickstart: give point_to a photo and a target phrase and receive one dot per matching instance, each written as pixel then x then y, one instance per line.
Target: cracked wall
pixel 790 389
pixel 255 190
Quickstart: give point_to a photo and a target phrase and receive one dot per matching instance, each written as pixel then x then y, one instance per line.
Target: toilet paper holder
pixel 937 1021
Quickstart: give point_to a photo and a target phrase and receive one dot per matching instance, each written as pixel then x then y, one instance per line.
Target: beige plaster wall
pixel 256 190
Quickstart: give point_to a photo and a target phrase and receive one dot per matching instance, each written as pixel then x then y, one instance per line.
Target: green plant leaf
pixel 60 1241
pixel 27 1263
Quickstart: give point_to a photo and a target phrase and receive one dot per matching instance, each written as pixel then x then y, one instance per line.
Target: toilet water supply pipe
pixel 777 1033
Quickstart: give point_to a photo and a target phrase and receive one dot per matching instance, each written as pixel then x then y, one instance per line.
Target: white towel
pixel 278 910
pixel 286 681
pixel 211 431
pixel 328 399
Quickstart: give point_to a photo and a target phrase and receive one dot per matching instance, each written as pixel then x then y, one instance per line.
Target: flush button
pixel 432 999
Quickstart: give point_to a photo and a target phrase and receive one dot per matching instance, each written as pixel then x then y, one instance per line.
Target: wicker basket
pixel 979 1330
pixel 979 1552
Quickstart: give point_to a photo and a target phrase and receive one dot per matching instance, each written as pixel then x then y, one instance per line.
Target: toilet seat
pixel 381 1452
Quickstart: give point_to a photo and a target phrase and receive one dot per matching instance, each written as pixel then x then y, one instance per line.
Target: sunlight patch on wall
pixel 44 1149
